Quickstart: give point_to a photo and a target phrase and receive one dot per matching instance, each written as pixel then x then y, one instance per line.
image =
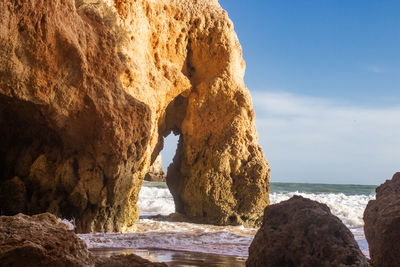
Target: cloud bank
pixel 308 139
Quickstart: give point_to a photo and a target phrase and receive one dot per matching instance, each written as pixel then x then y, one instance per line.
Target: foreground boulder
pixel 41 240
pixel 88 91
pixel 302 232
pixel 382 224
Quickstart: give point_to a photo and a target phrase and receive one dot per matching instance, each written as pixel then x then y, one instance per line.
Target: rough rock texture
pixel 382 224
pixel 302 232
pixel 156 172
pixel 88 90
pixel 41 240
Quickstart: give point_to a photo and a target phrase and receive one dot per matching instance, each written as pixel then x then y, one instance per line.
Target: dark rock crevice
pixel 29 150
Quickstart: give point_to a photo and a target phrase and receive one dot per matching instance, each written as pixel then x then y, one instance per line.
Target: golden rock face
pixel 88 90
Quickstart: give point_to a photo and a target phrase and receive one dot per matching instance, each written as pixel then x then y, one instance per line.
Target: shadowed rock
pixel 41 240
pixel 302 232
pixel 382 224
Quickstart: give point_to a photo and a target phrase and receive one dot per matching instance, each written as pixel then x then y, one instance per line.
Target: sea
pixel 178 243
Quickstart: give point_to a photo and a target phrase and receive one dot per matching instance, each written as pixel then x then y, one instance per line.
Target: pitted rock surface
pixel 88 91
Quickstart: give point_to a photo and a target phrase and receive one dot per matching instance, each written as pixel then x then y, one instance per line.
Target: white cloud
pixel 375 69
pixel 308 139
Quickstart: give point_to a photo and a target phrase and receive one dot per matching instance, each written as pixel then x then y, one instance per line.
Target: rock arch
pixel 99 85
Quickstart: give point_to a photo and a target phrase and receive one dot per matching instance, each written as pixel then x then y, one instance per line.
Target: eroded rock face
pixel 303 232
pixel 156 172
pixel 42 240
pixel 382 224
pixel 89 90
pixel 73 141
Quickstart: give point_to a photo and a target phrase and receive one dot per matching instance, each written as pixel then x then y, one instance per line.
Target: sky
pixel 325 81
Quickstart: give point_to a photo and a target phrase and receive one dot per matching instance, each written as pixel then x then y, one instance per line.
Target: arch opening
pixel 169 150
pixel 155 197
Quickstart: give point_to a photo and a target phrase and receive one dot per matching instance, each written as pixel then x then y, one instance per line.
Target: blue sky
pixel 348 50
pixel 325 81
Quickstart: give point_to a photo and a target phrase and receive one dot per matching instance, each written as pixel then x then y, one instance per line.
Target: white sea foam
pixel 69 223
pixel 348 208
pixel 153 201
pixel 231 240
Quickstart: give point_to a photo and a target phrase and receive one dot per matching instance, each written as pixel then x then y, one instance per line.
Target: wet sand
pixel 175 258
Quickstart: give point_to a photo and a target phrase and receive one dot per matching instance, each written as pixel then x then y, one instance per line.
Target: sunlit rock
pixel 89 89
pixel 156 172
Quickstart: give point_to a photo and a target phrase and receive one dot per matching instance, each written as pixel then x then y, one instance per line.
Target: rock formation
pixel 156 172
pixel 382 224
pixel 41 240
pixel 88 90
pixel 302 232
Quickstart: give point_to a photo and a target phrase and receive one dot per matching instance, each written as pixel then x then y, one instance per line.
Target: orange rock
pixel 88 90
pixel 156 172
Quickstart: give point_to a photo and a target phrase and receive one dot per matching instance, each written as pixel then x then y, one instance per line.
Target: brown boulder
pixel 303 232
pixel 42 240
pixel 382 224
pixel 88 91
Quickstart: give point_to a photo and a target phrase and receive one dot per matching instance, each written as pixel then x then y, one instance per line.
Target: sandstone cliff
pixel 89 89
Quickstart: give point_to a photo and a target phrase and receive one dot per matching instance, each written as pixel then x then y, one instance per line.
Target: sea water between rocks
pixel 187 244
